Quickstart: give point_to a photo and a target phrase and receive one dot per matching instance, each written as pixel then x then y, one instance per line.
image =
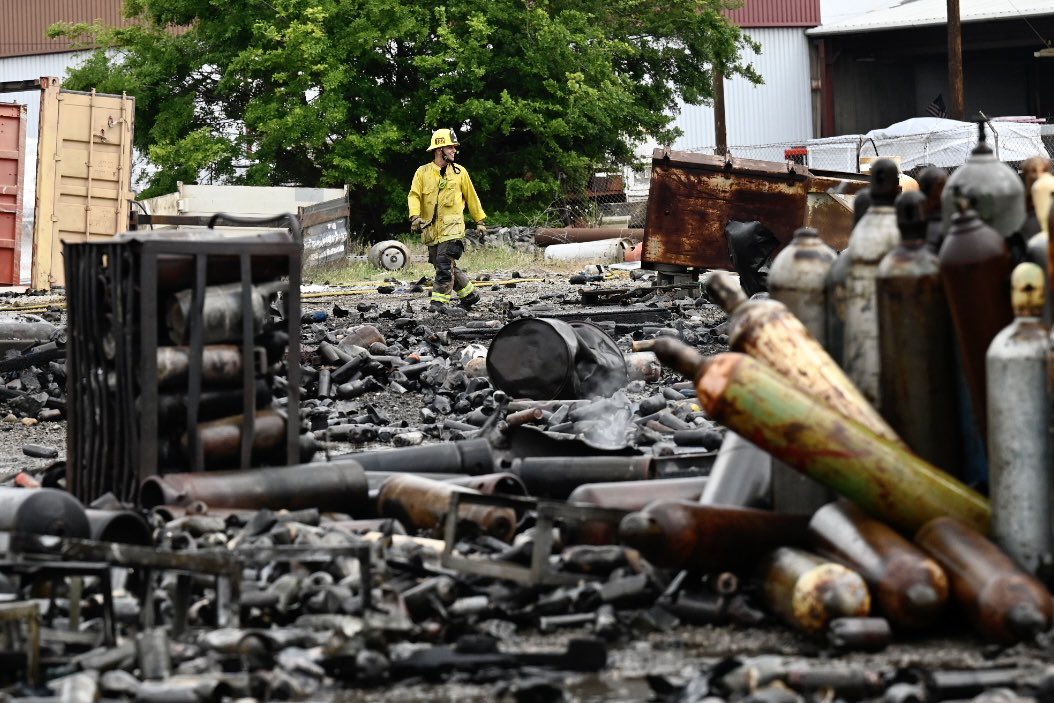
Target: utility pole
pixel 955 63
pixel 720 134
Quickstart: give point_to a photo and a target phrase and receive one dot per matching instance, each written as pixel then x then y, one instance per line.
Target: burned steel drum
pixel 547 359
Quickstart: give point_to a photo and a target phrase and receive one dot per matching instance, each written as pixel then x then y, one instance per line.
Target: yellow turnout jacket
pixel 440 202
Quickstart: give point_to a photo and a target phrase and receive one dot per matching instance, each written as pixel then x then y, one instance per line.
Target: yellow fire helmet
pixel 442 138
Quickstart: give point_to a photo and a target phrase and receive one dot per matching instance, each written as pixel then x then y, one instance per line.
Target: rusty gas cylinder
pixel 881 476
pixel 873 237
pixel 808 591
pixel 931 184
pixel 708 538
pixel 421 504
pixel 1019 456
pixel 975 273
pixel 907 586
pixel 797 279
pixel 835 286
pixel 221 440
pixel 917 370
pixel 1004 603
pixel 766 330
pixel 221 365
pixel 627 495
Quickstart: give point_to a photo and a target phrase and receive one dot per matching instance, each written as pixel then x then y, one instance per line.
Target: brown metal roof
pixel 24 28
pixel 776 13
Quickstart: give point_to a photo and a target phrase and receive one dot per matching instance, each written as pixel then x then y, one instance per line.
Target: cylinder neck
pixel 725 291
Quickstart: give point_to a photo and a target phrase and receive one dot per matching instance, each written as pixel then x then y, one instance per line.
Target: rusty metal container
pixel 995 191
pixel 1019 454
pixel 797 279
pixel 874 236
pixel 692 196
pixel 741 475
pixel 907 586
pixel 708 538
pixel 12 174
pixel 1004 604
pixel 337 486
pixel 975 272
pixel 766 330
pixel 917 373
pixel 421 504
pixel 882 477
pixel 808 591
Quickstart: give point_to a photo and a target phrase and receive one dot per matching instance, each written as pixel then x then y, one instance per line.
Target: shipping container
pixel 12 173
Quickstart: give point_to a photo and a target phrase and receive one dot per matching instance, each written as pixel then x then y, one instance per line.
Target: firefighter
pixel 439 194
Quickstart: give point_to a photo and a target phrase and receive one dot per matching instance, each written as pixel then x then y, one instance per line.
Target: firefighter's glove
pixel 416 225
pixel 481 230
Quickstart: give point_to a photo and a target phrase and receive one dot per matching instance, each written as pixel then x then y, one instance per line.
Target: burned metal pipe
pixel 42 511
pixel 421 504
pixel 469 456
pixel 337 486
pixel 557 476
pixel 120 526
pixel 544 236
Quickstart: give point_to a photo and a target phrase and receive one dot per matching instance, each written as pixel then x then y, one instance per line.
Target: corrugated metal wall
pixel 777 13
pixel 23 30
pixel 775 113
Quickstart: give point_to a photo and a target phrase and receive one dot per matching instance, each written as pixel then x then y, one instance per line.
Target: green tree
pixel 334 92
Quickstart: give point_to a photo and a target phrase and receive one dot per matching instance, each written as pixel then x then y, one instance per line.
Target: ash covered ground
pixel 650 657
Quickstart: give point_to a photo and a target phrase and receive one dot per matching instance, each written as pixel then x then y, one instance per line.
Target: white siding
pixel 766 117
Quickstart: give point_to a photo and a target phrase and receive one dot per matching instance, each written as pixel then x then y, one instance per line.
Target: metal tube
pixel 469 456
pixel 121 526
pixel 337 486
pixel 558 476
pixel 544 236
pixel 421 503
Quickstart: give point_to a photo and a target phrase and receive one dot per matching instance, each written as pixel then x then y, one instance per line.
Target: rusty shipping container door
pixel 12 173
pixel 83 173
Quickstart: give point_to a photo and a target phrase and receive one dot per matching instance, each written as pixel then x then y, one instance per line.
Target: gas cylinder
pixel 1004 604
pixel 996 192
pixel 797 276
pixel 808 591
pixel 741 475
pixel 872 238
pixel 931 184
pixel 879 475
pixel 1019 456
pixel 674 534
pixel 766 330
pixel 1038 251
pixel 975 273
pixel 917 370
pixel 907 586
pixel 835 286
pixel 1032 169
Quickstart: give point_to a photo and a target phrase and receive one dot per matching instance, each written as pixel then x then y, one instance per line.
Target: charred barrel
pixel 1004 604
pixel 908 587
pixel 42 511
pixel 707 538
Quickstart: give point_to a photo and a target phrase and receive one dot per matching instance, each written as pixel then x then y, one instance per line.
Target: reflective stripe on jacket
pixel 442 209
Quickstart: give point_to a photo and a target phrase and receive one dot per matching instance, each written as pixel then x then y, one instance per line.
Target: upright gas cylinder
pixel 1038 251
pixel 975 273
pixel 931 184
pixel 835 285
pixel 1019 456
pixel 808 591
pixel 996 192
pixel 907 586
pixel 766 330
pixel 873 237
pixel 797 279
pixel 881 476
pixel 1004 604
pixel 917 370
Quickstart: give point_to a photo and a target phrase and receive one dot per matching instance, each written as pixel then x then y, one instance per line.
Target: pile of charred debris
pixel 242 513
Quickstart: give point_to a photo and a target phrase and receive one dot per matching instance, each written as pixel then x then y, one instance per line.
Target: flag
pixel 936 107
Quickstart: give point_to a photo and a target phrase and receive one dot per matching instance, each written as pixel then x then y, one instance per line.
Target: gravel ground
pixel 679 654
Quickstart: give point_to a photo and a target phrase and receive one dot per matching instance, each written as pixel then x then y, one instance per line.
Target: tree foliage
pixel 335 92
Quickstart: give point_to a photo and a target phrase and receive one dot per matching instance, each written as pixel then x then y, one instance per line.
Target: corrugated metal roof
pixel 776 13
pixel 23 31
pixel 916 13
